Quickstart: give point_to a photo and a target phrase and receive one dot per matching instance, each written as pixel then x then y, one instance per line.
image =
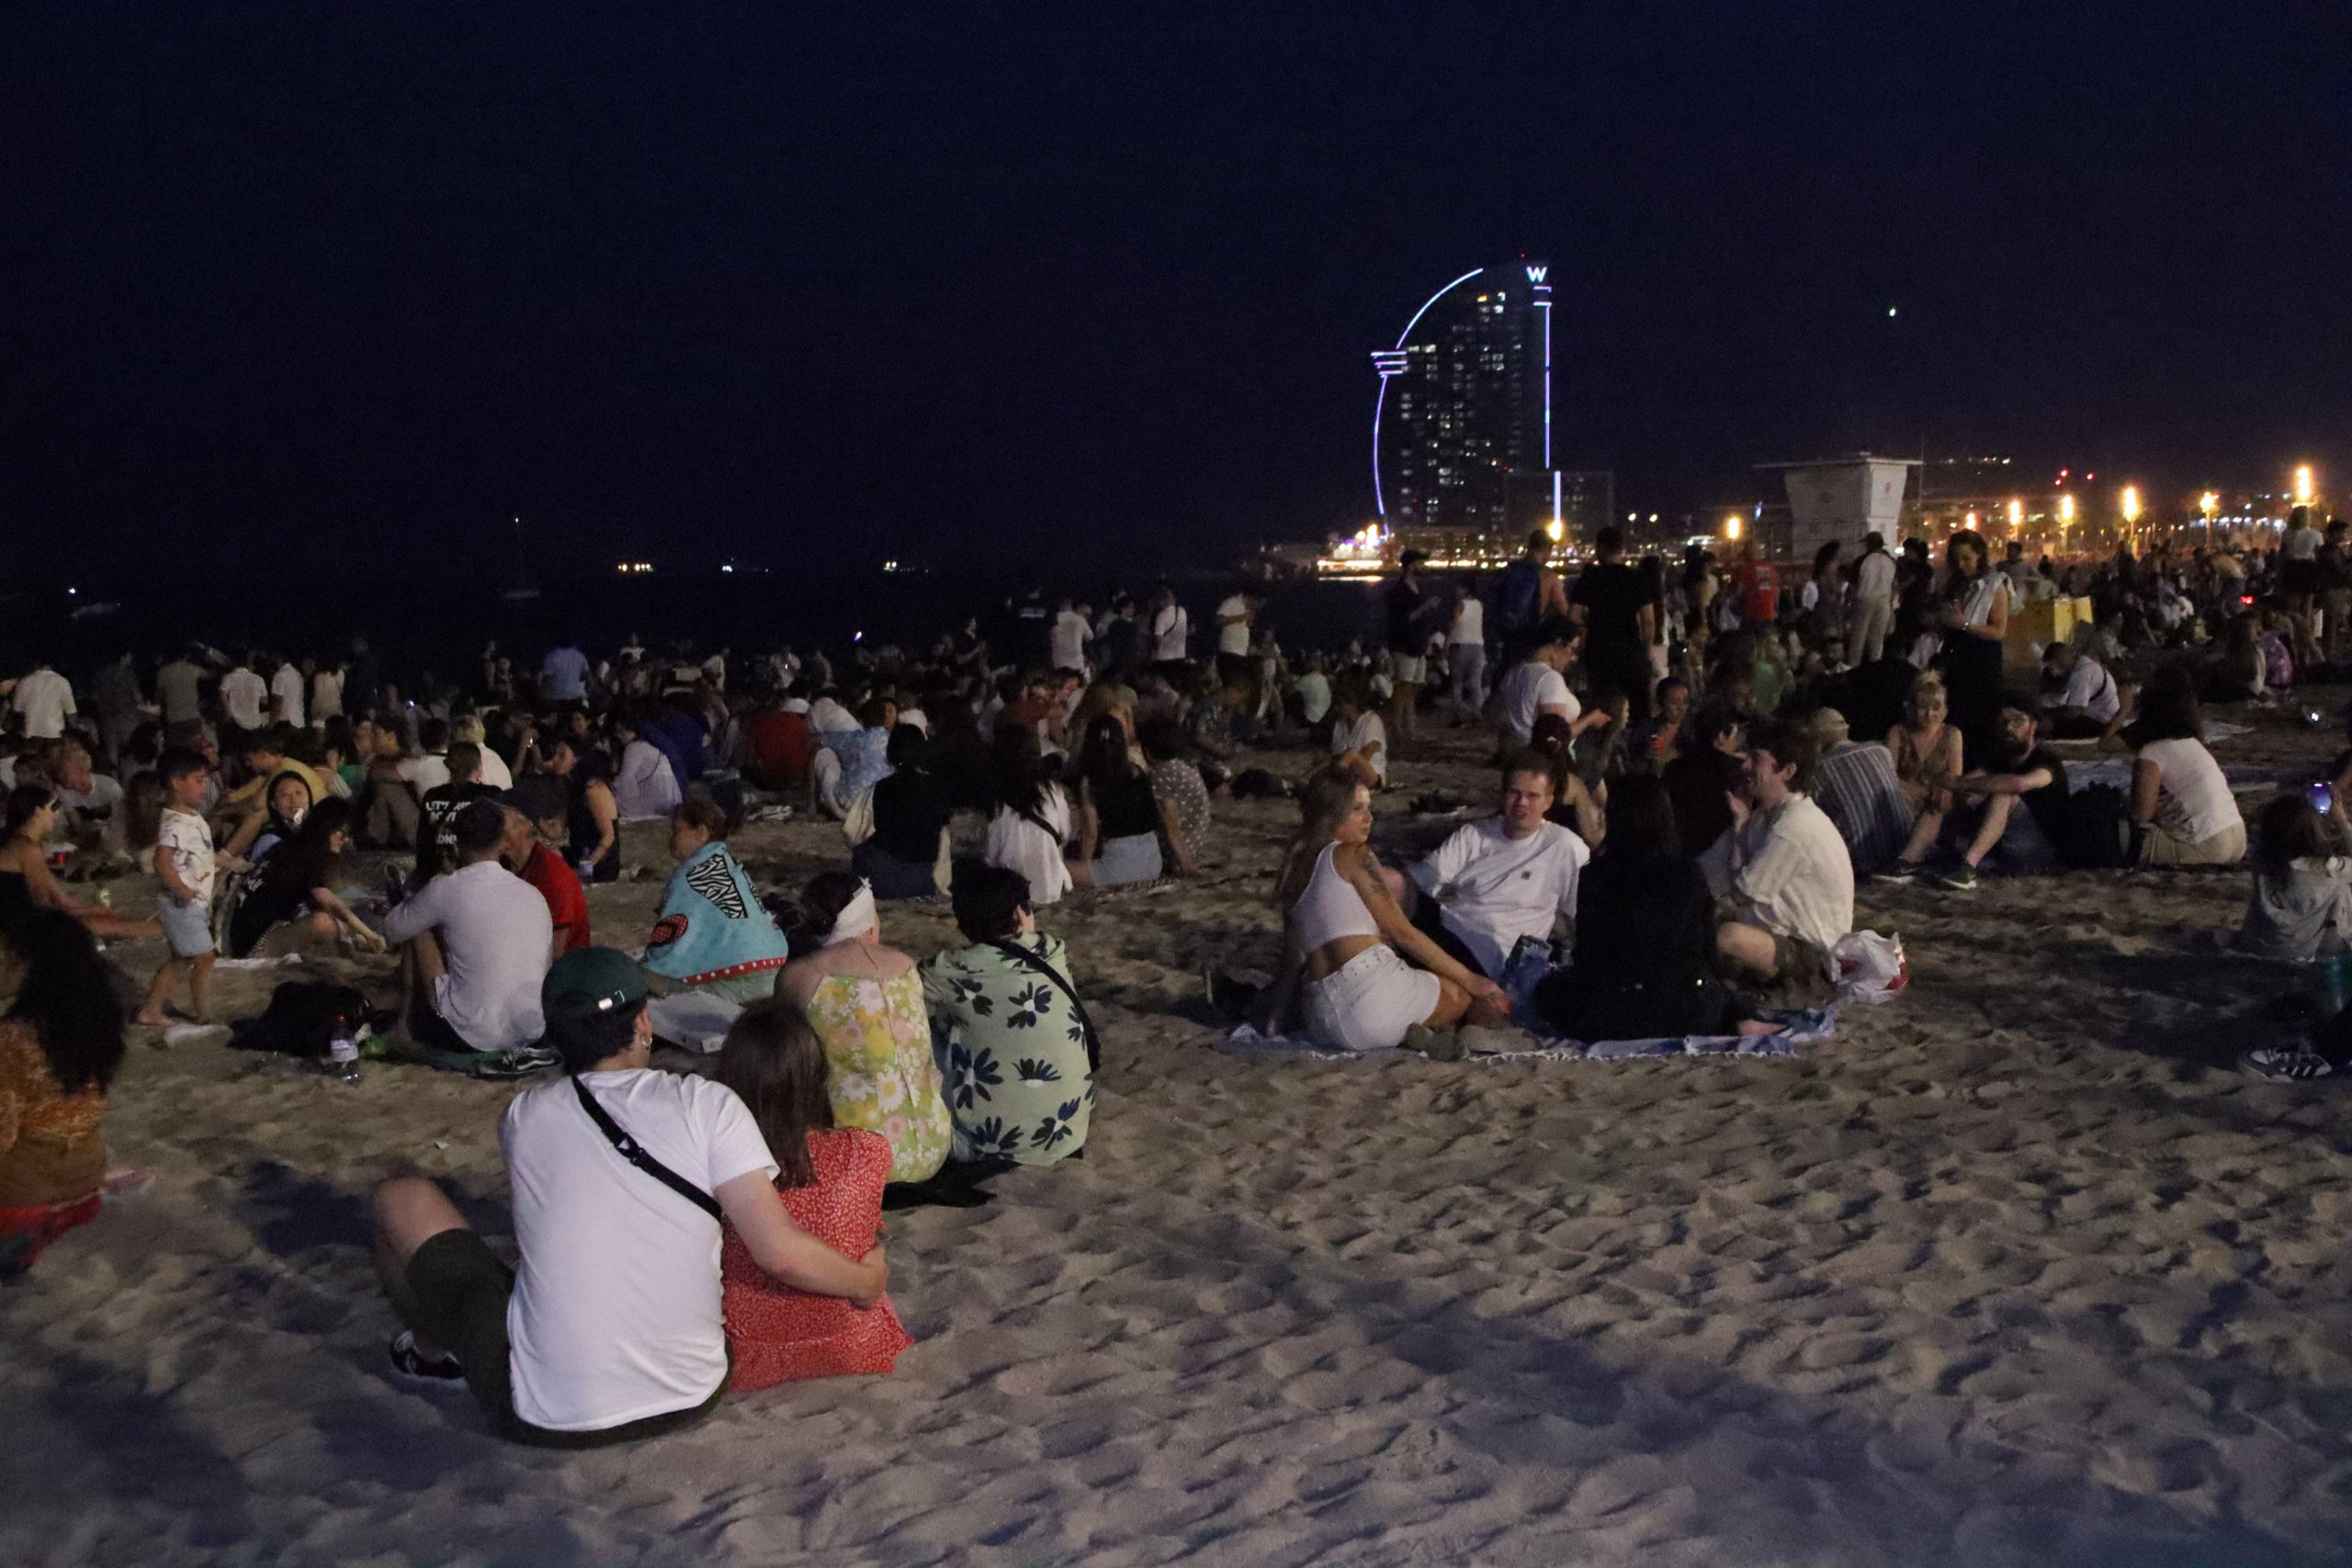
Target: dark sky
pixel 351 284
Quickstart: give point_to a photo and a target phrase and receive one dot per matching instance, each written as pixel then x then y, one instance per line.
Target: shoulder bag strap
pixel 635 1153
pixel 1037 961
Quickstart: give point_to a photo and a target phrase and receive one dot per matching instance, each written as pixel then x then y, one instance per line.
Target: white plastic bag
pixel 1870 968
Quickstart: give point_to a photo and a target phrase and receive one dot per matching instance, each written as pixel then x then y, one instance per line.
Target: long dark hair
pixel 1104 761
pixel 305 857
pixel 1018 782
pixel 2168 709
pixel 68 998
pixel 775 1064
pixel 809 920
pixel 1641 822
pixel 23 801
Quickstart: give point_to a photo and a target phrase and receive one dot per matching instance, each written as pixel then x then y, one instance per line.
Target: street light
pixel 2130 503
pixel 2016 515
pixel 2209 503
pixel 1731 528
pixel 2303 485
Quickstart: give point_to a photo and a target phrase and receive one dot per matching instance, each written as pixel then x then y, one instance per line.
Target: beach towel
pixel 1798 1027
pixel 712 925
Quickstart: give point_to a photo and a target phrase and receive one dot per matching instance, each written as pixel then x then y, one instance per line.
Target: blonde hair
pixel 1926 685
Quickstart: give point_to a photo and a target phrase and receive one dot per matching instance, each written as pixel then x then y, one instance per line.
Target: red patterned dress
pixel 780 1335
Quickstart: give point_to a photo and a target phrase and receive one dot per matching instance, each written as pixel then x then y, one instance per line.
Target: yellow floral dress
pixel 881 1076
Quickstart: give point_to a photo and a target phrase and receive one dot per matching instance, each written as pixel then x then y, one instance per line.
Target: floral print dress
pixel 880 1073
pixel 1012 1052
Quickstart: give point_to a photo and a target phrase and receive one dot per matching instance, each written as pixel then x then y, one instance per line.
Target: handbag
pixel 1036 961
pixel 635 1153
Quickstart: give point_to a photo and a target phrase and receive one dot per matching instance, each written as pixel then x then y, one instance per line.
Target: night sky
pixel 347 286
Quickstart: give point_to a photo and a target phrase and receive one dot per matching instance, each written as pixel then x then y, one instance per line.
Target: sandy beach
pixel 2016 1270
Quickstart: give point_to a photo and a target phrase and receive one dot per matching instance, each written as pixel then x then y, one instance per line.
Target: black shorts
pixel 460 1291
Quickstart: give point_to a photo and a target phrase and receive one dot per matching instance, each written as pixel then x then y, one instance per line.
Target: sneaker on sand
pixel 1958 877
pixel 519 1063
pixel 411 1362
pixel 2285 1064
pixel 1898 871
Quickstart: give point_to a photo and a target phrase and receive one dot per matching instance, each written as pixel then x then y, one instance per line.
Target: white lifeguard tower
pixel 1843 499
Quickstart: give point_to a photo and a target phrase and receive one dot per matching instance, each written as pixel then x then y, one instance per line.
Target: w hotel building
pixel 1462 430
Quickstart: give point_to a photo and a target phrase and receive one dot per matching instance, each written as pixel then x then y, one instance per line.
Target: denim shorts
pixel 188 927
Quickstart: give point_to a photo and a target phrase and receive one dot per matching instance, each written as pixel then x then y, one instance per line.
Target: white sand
pixel 2013 1272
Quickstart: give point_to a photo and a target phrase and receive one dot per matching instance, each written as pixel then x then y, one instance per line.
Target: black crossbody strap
pixel 634 1152
pixel 1037 961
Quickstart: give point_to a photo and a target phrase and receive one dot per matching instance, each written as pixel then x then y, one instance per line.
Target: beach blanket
pixel 1796 1028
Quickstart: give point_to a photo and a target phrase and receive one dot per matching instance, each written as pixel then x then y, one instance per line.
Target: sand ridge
pixel 2014 1270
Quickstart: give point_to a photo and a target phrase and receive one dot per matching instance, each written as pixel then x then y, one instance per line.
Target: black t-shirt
pixel 1407 600
pixel 1612 595
pixel 2048 804
pixel 910 806
pixel 1127 809
pixel 436 827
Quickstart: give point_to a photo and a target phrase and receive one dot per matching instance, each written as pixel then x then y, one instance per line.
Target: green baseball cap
pixel 588 981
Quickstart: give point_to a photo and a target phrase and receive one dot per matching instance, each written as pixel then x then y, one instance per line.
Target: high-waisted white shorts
pixel 1369 1001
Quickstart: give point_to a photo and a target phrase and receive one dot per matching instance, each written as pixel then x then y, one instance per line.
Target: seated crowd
pixel 1679 785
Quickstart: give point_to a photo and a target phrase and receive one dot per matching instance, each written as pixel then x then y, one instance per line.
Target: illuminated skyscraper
pixel 1461 432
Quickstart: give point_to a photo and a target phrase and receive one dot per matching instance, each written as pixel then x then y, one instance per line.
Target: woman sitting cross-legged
pixel 1352 938
pixel 865 1002
pixel 830 1180
pixel 1015 1053
pixel 713 933
pixel 61 1046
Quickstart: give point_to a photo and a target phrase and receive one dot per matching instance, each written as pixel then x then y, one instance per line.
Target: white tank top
pixel 1330 907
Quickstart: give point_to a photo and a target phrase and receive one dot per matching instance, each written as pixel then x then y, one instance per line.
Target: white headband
pixel 858 916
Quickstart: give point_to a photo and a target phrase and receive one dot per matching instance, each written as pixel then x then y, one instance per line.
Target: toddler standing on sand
pixel 184 864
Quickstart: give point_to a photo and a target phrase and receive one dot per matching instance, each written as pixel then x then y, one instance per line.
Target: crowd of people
pixel 1695 763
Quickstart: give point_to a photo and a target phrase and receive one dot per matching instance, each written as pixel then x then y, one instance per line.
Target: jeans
pixel 1469 661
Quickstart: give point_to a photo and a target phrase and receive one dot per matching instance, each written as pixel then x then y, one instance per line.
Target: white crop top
pixel 1330 907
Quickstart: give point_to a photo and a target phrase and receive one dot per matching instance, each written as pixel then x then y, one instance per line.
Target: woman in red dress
pixel 830 1180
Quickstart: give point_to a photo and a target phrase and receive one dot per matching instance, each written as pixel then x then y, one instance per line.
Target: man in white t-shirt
pixel 1536 686
pixel 1071 628
pixel 476 944
pixel 1466 654
pixel 44 701
pixel 1171 629
pixel 1314 688
pixel 2088 700
pixel 1506 878
pixel 326 692
pixel 1873 599
pixel 286 694
pixel 1786 871
pixel 1359 738
pixel 612 1330
pixel 244 696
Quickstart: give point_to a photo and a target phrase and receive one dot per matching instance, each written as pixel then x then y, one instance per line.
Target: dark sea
pixel 420 625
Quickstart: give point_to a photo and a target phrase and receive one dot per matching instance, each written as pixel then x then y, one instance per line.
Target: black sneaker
pixel 1956 879
pixel 1900 872
pixel 2285 1064
pixel 519 1063
pixel 411 1362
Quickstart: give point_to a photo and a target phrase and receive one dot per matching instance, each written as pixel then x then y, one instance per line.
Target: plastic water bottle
pixel 342 1058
